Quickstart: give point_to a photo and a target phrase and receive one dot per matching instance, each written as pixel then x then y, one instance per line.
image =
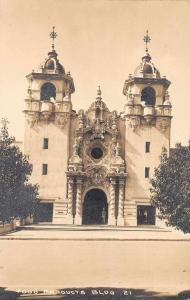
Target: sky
pixel 100 42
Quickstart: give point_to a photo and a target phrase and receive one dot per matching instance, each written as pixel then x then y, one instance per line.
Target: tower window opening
pixel 48 91
pixel 147 69
pixel 147 172
pixel 45 143
pixel 147 147
pixel 44 169
pixel 148 95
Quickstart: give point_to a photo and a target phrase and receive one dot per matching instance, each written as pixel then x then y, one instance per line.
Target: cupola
pixel 146 69
pixel 146 85
pixel 146 92
pixel 52 64
pixel 50 82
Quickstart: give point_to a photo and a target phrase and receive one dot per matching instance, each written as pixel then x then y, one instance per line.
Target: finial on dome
pixel 99 93
pixel 53 36
pixel 147 40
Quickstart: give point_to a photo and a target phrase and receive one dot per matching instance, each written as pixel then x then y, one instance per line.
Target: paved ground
pixel 58 232
pixel 161 266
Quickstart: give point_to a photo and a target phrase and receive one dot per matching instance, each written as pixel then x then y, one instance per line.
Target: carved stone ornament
pixel 133 122
pixel 33 118
pixel 149 119
pixel 76 146
pixel 160 110
pixel 45 116
pixel 81 119
pixel 75 165
pixel 164 124
pixel 117 165
pixel 61 119
pixel 96 175
pixel 113 120
pixel 75 162
pixel 98 130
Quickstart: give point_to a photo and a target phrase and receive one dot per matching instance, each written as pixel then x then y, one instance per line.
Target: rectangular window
pixel 147 147
pixel 147 172
pixel 45 144
pixel 44 169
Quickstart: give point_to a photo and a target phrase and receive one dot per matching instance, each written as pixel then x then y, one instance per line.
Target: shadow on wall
pixel 90 294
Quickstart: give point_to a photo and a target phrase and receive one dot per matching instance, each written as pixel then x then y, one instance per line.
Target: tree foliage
pixel 18 197
pixel 170 191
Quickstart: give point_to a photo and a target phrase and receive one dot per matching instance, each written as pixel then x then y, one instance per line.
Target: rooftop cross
pixel 53 36
pixel 147 40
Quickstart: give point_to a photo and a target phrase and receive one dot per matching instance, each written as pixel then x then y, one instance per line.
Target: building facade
pixel 94 166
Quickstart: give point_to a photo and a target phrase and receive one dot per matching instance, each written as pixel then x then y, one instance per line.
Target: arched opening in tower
pixel 148 96
pixel 48 92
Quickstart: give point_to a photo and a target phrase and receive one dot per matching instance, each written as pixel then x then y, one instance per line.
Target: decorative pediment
pixel 97 127
pixel 98 105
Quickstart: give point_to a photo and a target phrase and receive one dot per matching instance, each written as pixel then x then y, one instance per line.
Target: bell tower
pixel 48 114
pixel 147 115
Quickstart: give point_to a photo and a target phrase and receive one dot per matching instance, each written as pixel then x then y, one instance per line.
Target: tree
pixel 170 191
pixel 18 197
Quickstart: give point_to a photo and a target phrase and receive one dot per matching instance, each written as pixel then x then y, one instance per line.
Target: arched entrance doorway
pixel 95 207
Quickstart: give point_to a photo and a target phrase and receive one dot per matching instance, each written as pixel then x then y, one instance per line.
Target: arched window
pixel 48 91
pixel 148 95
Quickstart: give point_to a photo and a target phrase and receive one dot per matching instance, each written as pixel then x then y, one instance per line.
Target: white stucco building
pixel 94 166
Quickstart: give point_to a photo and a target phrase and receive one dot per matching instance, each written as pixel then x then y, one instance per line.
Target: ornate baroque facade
pixel 94 166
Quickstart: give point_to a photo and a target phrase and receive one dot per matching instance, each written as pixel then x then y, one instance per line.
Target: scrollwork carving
pixel 61 119
pixel 98 130
pixel 133 122
pixel 113 120
pixel 33 118
pixel 96 175
pixel 164 124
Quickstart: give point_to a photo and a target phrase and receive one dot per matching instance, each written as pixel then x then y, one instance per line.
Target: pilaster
pixel 70 200
pixel 120 218
pixel 78 215
pixel 111 216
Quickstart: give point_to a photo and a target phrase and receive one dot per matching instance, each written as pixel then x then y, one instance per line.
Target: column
pixel 78 215
pixel 111 217
pixel 70 200
pixel 120 218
